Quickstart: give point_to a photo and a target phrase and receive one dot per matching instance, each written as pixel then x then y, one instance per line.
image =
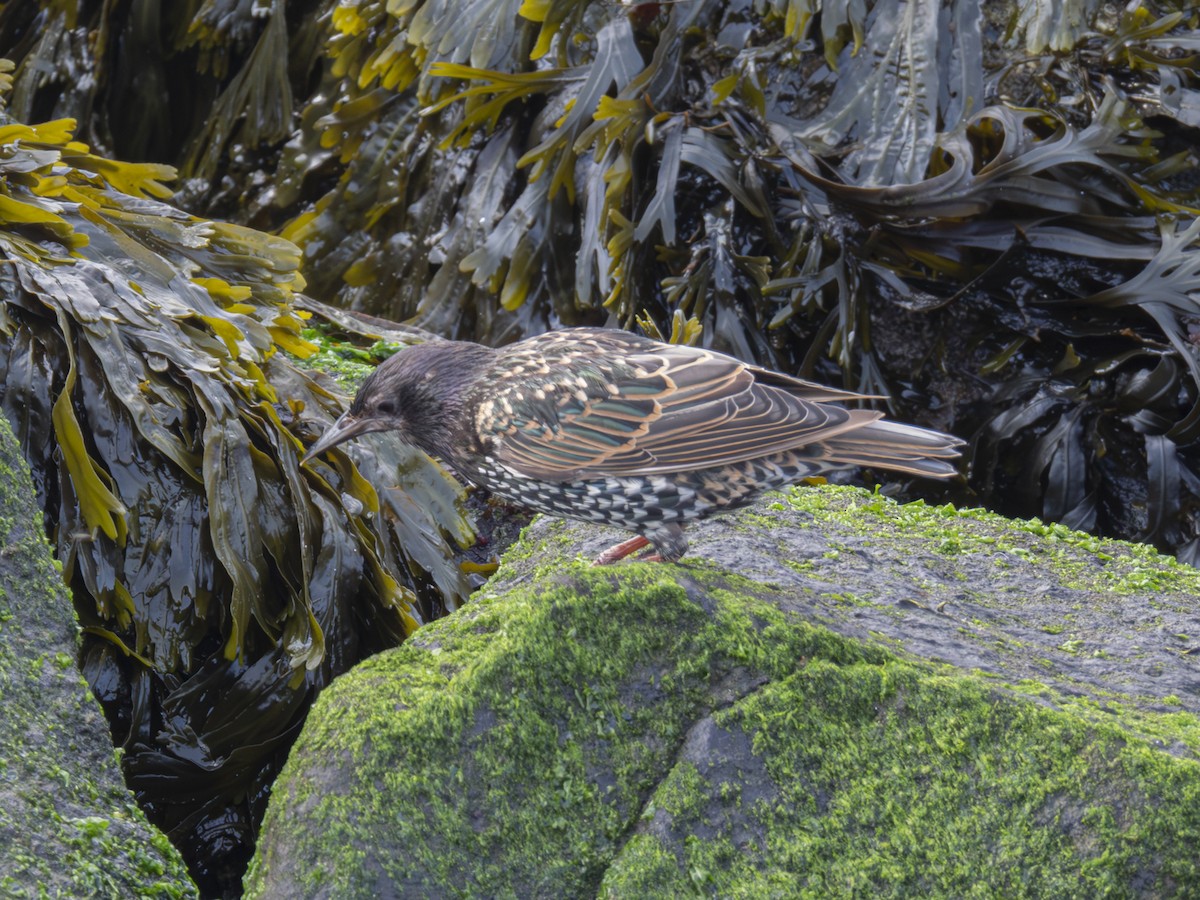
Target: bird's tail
pixel 892 445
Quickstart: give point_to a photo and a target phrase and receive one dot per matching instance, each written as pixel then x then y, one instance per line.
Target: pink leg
pixel 621 550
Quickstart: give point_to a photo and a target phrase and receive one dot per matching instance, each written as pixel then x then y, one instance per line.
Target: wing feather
pixel 612 403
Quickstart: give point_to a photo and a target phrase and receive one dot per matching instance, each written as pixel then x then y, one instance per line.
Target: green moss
pixel 617 680
pixel 530 745
pixel 68 825
pixel 1056 548
pixel 662 731
pixel 886 780
pixel 346 362
pixel 1163 728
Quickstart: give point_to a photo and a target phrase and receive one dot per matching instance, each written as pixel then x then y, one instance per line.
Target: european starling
pixel 610 427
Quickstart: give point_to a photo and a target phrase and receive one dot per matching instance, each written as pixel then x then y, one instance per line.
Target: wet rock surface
pixel 831 694
pixel 68 825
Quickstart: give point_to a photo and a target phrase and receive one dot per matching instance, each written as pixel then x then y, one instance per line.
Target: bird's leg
pixel 620 551
pixel 667 538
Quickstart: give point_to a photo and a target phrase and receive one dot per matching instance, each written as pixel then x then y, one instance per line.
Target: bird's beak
pixel 346 427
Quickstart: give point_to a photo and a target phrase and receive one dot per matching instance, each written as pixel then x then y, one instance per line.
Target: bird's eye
pixel 386 407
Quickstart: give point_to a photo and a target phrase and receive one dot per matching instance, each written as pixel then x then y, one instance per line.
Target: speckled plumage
pixel 610 427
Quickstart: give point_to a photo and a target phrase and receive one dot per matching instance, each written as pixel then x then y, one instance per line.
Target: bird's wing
pixel 622 405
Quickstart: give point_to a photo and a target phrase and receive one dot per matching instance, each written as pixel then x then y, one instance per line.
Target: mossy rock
pixel 833 695
pixel 68 826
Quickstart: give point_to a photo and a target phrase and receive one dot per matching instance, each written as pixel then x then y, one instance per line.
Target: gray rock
pixel 68 826
pixel 832 695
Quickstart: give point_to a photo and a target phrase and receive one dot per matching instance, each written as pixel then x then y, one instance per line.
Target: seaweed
pixel 145 364
pixel 984 211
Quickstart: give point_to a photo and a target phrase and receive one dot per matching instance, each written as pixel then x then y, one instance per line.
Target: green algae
pixel 607 697
pixel 1098 573
pixel 888 781
pixel 1083 561
pixel 347 363
pixel 68 825
pixel 547 741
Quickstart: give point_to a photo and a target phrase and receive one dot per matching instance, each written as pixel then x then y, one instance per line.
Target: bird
pixel 610 427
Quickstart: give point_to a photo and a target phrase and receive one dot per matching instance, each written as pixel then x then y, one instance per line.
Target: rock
pixel 68 826
pixel 832 695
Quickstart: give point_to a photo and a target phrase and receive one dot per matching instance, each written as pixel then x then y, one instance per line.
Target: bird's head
pixel 417 393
